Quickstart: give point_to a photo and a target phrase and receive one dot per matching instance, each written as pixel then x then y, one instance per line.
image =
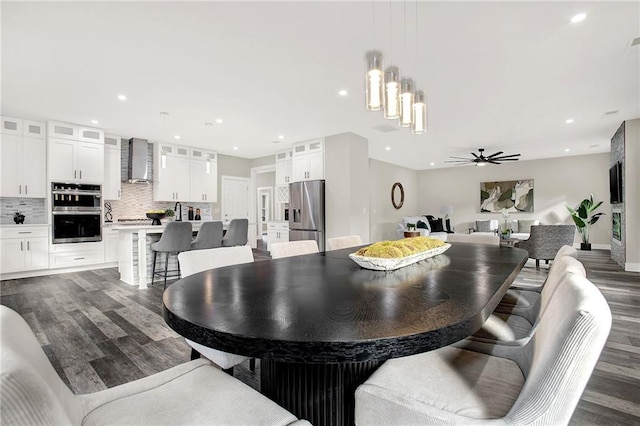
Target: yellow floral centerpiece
pixel 391 255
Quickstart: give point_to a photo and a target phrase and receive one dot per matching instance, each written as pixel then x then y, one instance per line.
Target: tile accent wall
pixel 137 198
pixel 618 249
pixel 32 208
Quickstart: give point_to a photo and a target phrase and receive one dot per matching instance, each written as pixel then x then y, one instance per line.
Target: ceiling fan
pixel 481 160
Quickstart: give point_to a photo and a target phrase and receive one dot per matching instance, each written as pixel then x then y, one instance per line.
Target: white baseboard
pixel 42 272
pixel 632 267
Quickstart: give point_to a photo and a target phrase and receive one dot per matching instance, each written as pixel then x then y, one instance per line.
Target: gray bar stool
pixel 176 238
pixel 237 233
pixel 209 236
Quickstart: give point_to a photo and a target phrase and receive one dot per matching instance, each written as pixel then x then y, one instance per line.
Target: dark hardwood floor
pixel 99 332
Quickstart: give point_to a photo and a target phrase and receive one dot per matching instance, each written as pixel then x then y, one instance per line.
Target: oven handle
pixel 73 192
pixel 77 212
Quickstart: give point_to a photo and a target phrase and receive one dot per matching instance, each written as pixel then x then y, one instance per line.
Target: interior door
pixel 235 198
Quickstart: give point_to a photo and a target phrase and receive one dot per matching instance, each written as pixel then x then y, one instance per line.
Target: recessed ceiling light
pixel 177 136
pixel 122 97
pixel 280 137
pixel 569 120
pixel 578 18
pixel 219 120
pixel 94 121
pixel 343 92
pixel 388 148
pixel 567 149
pixel 432 164
pixel 235 148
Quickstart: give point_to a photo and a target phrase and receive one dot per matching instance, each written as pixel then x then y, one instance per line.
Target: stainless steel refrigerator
pixel 306 211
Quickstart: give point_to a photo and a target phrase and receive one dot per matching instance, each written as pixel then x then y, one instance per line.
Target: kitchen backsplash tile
pixel 33 210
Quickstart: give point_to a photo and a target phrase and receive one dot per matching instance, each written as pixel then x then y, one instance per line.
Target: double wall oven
pixel 76 210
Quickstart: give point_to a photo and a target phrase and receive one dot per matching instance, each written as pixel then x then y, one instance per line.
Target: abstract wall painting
pixel 514 196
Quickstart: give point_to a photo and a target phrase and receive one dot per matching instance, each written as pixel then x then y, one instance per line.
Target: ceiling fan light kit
pixel 481 160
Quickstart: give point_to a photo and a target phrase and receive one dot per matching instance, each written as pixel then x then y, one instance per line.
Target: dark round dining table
pixel 320 324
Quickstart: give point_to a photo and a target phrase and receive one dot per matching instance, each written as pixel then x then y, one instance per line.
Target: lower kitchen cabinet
pixel 76 254
pixel 110 238
pixel 24 248
pixel 277 232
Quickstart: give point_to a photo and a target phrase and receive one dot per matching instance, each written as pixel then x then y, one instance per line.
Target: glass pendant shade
pixel 406 102
pixel 392 93
pixel 374 82
pixel 419 113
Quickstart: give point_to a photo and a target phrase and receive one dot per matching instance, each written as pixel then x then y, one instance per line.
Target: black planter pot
pixel 585 246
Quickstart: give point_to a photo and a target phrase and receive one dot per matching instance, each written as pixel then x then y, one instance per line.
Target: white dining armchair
pixel 293 248
pixel 195 261
pixel 337 243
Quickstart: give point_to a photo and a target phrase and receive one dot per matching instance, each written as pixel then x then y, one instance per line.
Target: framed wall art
pixel 514 196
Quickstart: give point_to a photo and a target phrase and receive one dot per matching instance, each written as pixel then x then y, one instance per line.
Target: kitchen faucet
pixel 178 209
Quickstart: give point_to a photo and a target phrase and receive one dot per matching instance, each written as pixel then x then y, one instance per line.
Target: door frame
pixel 260 191
pixel 253 205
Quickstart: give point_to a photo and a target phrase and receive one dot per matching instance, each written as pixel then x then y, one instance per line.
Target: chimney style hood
pixel 138 169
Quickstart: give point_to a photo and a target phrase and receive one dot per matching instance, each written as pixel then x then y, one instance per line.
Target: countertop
pixel 13 225
pixel 134 227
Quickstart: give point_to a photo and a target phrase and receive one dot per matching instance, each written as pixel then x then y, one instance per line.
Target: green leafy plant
pixel 411 226
pixel 583 217
pixel 169 212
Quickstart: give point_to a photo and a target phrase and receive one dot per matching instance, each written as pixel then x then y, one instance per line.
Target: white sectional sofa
pixel 519 227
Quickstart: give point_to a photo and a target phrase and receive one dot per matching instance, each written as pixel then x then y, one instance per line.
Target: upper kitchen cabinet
pixel 283 167
pixel 112 187
pixel 23 159
pixel 203 167
pixel 308 160
pixel 171 169
pixel 76 153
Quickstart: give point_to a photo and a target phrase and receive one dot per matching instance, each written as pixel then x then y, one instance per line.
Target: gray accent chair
pixel 237 233
pixel 176 238
pixel 34 394
pixel 545 241
pixel 209 236
pixel 538 383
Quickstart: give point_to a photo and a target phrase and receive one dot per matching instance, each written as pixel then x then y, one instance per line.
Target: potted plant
pixel 411 226
pixel 506 231
pixel 583 217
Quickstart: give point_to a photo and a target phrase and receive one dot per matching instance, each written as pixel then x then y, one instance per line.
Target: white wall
pixel 632 195
pixel 557 182
pixel 384 217
pixel 346 186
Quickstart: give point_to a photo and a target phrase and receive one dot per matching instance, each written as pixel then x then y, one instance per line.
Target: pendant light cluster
pixel 393 94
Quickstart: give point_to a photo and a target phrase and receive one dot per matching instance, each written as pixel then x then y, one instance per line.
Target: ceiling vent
pixel 385 128
pixel 609 114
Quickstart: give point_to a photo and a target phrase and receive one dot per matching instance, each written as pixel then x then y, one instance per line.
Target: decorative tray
pixel 384 264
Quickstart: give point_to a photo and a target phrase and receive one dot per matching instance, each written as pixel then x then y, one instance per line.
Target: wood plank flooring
pixel 99 332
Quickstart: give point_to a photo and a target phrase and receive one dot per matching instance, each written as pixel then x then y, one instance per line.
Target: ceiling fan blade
pixel 505 159
pixel 457 161
pixel 493 155
pixel 462 158
pixel 492 162
pixel 475 155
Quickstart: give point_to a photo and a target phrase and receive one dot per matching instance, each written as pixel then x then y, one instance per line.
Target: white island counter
pixel 135 257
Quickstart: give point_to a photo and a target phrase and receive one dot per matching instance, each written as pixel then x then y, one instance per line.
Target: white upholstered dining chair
pixel 337 243
pixel 195 261
pixel 293 248
pixel 539 383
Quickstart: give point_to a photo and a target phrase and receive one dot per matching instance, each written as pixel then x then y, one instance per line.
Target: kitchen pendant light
pixel 419 113
pixel 406 102
pixel 374 82
pixel 392 93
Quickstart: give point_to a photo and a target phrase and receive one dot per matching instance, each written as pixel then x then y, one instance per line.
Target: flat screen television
pixel 615 183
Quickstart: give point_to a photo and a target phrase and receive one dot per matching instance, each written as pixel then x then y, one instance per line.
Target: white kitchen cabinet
pixel 22 159
pixel 203 169
pixel 112 188
pixel 76 254
pixel 57 129
pixel 110 238
pixel 283 167
pixel 90 134
pixel 308 160
pixel 24 248
pixel 171 173
pixel 75 161
pixel 277 232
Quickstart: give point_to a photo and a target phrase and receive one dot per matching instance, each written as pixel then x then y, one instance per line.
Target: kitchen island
pixel 135 257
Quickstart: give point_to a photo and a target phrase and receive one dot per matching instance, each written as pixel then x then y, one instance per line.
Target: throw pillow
pixel 436 225
pixel 525 225
pixel 421 224
pixel 483 226
pixel 448 225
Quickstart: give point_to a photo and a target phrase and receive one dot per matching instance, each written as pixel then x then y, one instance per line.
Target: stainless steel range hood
pixel 138 169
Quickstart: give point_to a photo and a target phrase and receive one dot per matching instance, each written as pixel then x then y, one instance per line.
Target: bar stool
pixel 176 238
pixel 209 236
pixel 237 233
